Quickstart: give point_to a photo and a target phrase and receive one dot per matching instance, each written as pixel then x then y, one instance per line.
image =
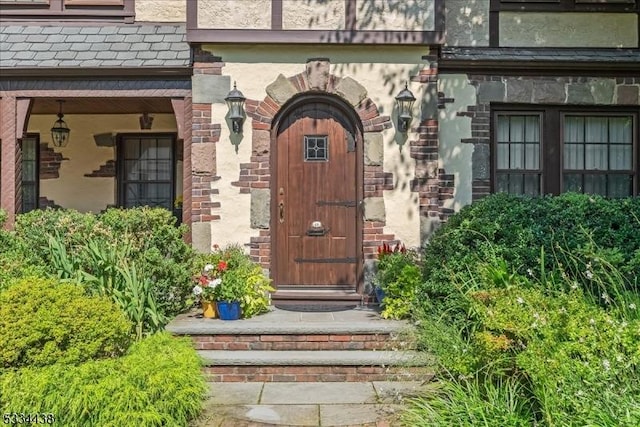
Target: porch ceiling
pixel 102 105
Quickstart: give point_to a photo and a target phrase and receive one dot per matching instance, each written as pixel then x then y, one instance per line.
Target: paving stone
pixel 317 393
pixel 353 414
pixel 234 393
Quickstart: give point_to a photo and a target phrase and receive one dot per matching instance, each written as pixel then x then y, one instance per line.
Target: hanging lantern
pixel 235 101
pixel 60 131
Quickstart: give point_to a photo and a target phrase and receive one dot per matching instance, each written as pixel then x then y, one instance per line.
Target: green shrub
pixel 399 277
pixel 160 251
pixel 156 246
pixel 158 383
pixel 44 322
pixel 476 401
pixel 514 229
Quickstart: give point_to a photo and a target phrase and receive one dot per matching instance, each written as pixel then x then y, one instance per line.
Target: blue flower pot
pixel 228 310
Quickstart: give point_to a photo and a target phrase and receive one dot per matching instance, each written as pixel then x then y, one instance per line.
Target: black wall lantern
pixel 235 101
pixel 404 101
pixel 60 130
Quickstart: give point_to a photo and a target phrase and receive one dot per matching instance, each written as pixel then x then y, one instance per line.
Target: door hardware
pixel 281 212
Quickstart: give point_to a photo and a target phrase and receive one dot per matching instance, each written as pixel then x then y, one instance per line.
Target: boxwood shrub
pixel 43 321
pixel 515 228
pixel 158 383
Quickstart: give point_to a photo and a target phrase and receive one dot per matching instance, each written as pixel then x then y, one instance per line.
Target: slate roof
pixel 542 54
pixel 109 46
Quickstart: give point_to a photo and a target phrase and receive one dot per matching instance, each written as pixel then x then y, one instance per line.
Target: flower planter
pixel 228 310
pixel 209 309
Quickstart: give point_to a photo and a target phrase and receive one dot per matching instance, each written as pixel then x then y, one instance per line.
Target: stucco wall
pixel 409 15
pixel 254 68
pixel 161 10
pixel 313 14
pixel 227 14
pixel 455 157
pixel 568 29
pixel 82 156
pixel 467 23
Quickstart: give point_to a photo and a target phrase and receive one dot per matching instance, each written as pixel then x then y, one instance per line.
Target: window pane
pixel 502 185
pixel 532 156
pixel 620 130
pixel 574 129
pixel 533 129
pixel 29 171
pixel 572 182
pixel 596 129
pixel 620 157
pixel 516 160
pixel 620 186
pixel 503 129
pixel 503 156
pixel 595 184
pixel 532 185
pixel 132 149
pixel 574 156
pixel 595 157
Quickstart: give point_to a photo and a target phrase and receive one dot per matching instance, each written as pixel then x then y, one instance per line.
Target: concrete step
pixel 296 366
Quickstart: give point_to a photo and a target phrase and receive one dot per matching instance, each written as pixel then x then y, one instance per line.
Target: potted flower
pixel 206 285
pixel 230 293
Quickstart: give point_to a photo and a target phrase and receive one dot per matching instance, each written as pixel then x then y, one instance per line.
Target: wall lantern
pixel 404 101
pixel 235 101
pixel 60 130
pixel 146 121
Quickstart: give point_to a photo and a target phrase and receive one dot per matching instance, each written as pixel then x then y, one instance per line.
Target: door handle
pixel 281 212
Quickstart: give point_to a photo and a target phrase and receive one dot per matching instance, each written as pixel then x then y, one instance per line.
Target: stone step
pixel 296 366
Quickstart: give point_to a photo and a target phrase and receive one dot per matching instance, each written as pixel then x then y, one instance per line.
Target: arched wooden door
pixel 316 196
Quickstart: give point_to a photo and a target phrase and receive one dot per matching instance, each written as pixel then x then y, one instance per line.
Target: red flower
pixel 203 280
pixel 222 266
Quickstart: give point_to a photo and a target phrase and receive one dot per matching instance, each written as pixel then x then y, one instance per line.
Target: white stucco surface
pixel 455 157
pixel 394 15
pixel 229 14
pixel 72 189
pixel 381 71
pixel 161 10
pixel 313 14
pixel 568 29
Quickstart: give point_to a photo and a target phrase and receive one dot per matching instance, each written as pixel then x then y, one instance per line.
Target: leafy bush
pixel 113 275
pixel 477 401
pixel 159 250
pixel 158 383
pixel 17 261
pixel 44 322
pixel 514 228
pixel 399 277
pixel 156 246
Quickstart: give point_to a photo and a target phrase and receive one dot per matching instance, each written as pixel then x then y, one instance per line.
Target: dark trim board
pixel 241 36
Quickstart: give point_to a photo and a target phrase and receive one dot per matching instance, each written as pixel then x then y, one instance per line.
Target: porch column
pixel 13 119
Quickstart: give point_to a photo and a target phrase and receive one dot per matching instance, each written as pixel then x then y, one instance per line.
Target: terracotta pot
pixel 209 309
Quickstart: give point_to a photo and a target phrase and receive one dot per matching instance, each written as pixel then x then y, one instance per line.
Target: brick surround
pixel 256 174
pixel 107 170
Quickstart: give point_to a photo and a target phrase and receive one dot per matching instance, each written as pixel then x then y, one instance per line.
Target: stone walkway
pixel 375 404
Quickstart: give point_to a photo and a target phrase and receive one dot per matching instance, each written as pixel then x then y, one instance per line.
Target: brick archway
pixel 255 176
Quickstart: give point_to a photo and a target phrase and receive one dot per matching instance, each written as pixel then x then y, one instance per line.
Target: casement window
pixel 111 10
pixel 146 170
pixel 561 149
pixel 30 166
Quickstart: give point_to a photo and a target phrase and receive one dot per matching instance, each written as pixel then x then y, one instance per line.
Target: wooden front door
pixel 316 201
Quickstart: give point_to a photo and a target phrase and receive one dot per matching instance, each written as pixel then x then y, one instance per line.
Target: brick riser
pixel 299 342
pixel 315 373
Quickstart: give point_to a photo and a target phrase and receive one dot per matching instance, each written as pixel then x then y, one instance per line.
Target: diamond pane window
pixel 316 148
